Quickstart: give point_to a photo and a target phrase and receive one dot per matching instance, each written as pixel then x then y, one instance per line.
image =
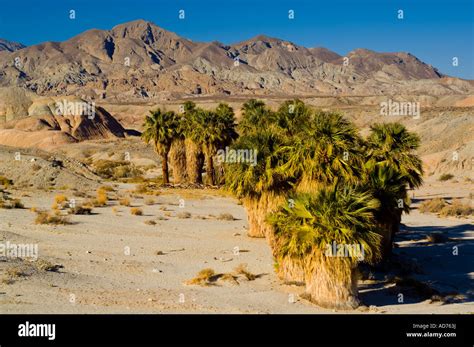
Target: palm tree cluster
pixel 189 141
pixel 316 182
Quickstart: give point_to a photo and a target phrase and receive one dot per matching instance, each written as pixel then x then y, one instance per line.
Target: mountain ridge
pixel 139 59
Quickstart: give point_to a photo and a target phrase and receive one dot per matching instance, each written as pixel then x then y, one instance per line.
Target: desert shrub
pixel 101 198
pixel 457 209
pixel 203 278
pixel 433 205
pixel 45 265
pixel 107 188
pixel 225 216
pixel 142 188
pixel 43 217
pixel 183 215
pixel 125 201
pixel 5 181
pixel 150 222
pixel 15 272
pixel 243 270
pixel 150 201
pixel 445 177
pixel 60 198
pixel 229 278
pixel 36 167
pixel 116 169
pixel 10 204
pixel 60 202
pixel 16 203
pixel 147 187
pixel 136 211
pixel 81 210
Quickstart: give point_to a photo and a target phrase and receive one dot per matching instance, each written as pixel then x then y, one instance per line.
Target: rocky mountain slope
pixel 10 46
pixel 42 127
pixel 141 60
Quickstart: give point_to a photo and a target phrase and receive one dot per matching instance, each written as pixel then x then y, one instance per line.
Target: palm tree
pixel 326 149
pixel 226 120
pixel 178 154
pixel 294 117
pixel 193 145
pixel 213 130
pixel 323 150
pixel 393 146
pixel 261 188
pixel 160 128
pixel 388 187
pixel 335 217
pixel 255 115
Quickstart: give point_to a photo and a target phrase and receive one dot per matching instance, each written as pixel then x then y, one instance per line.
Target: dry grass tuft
pixel 205 277
pixel 229 278
pixel 125 201
pixel 60 198
pixel 183 215
pixel 43 217
pixel 150 222
pixel 107 188
pixel 101 198
pixel 446 177
pixel 5 182
pixel 10 204
pixel 243 270
pixel 433 205
pixel 15 272
pixel 81 210
pixel 136 211
pixel 225 216
pixel 457 209
pixel 150 201
pixel 44 265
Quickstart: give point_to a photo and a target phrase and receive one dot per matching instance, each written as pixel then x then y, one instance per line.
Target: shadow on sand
pixel 441 270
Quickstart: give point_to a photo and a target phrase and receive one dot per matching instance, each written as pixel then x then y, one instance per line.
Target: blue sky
pixel 433 30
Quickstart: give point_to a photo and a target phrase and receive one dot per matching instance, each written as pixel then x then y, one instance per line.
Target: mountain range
pixel 141 60
pixel 10 46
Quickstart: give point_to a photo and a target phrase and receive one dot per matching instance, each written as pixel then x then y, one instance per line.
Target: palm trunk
pixel 257 212
pixel 388 228
pixel 209 168
pixel 164 169
pixel 331 282
pixel 194 162
pixel 385 231
pixel 255 229
pixel 178 161
pixel 290 270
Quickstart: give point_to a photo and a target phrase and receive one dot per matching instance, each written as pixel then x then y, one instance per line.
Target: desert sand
pixel 112 262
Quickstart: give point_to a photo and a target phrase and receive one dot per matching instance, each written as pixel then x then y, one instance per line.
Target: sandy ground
pixel 99 275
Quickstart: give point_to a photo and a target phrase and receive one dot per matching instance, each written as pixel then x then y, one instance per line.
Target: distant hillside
pixel 141 60
pixel 10 46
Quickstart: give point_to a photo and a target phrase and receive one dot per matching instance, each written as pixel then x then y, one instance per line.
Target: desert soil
pixel 115 263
